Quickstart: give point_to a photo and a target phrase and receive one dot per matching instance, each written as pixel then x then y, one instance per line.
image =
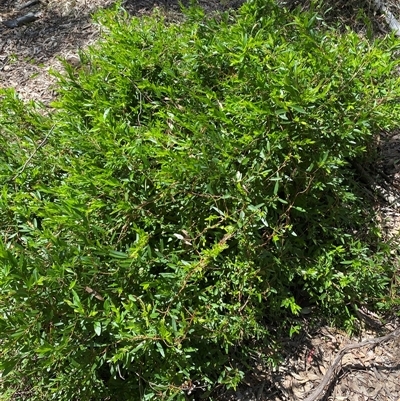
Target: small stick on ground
pixel 28 4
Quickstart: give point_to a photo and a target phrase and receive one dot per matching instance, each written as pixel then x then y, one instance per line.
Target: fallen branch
pixel 319 391
pixel 394 25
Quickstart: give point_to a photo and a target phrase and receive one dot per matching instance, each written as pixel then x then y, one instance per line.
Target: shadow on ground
pixel 357 15
pixel 367 373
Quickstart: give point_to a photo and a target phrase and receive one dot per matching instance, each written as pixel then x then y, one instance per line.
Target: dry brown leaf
pixel 322 369
pixel 313 377
pixel 375 392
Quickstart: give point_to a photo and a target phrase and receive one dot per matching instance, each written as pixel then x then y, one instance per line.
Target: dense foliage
pixel 190 192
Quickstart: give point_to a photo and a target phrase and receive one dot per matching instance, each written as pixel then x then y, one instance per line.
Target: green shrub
pixel 190 190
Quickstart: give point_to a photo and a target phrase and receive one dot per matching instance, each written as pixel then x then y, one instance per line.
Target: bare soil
pixel 27 55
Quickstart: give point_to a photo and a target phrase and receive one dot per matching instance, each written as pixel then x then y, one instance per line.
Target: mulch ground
pixel 372 373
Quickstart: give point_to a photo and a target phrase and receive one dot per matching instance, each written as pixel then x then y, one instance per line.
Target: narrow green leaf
pixel 97 328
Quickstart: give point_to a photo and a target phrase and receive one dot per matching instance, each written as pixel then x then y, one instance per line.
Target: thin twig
pixel 41 144
pixel 28 4
pixel 319 391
